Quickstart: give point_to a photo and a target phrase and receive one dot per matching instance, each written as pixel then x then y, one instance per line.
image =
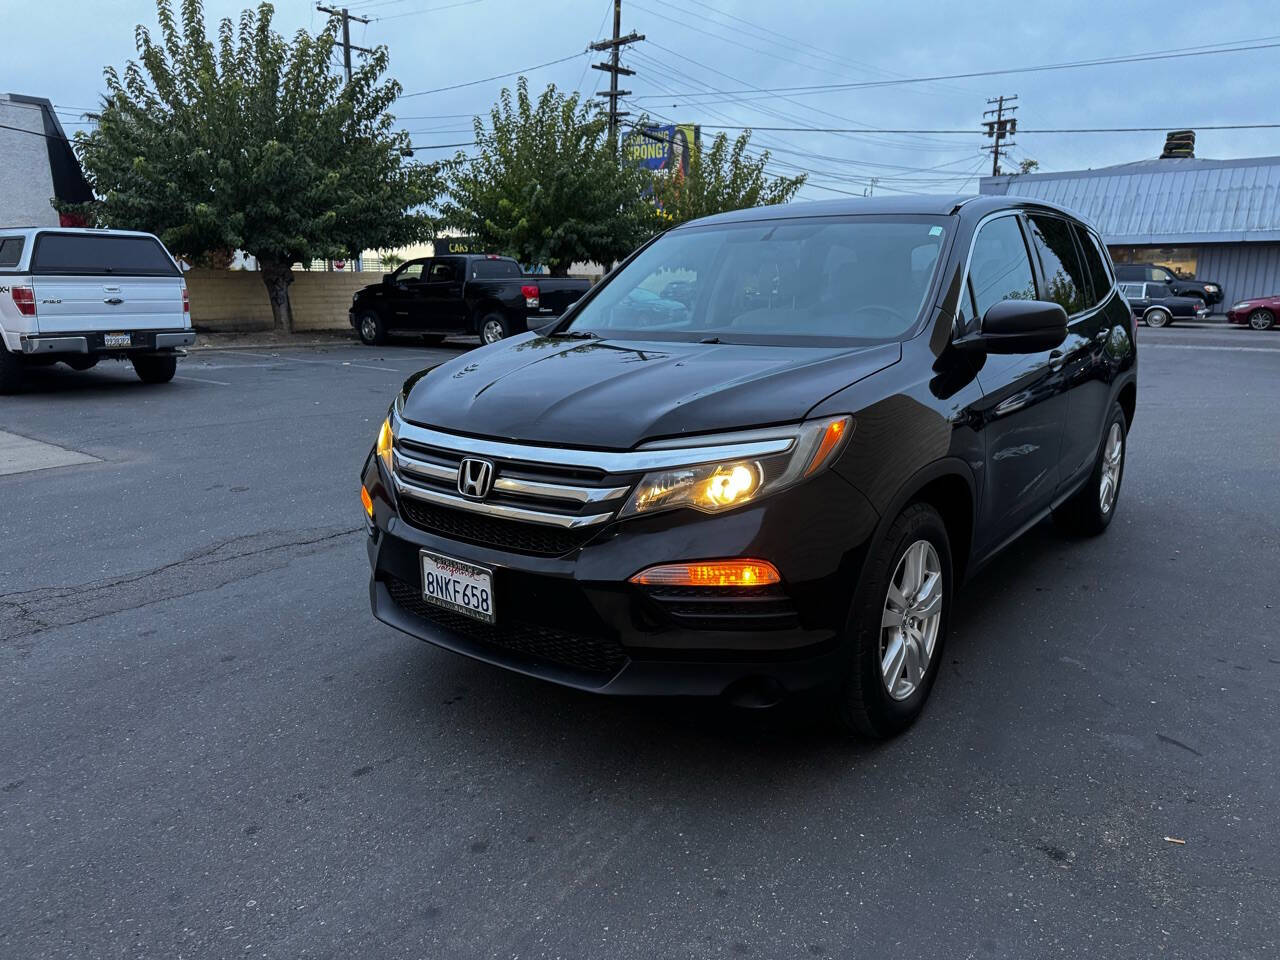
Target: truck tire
pixel 373 332
pixel 11 371
pixel 493 327
pixel 155 369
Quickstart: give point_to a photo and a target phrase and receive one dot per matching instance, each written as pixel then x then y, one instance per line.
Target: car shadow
pixel 794 735
pixel 57 378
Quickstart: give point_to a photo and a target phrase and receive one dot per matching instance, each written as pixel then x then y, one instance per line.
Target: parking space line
pixel 219 383
pixel 322 363
pixel 1207 346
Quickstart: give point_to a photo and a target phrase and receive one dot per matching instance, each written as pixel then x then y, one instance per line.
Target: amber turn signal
pixel 710 573
pixel 367 501
pixel 832 438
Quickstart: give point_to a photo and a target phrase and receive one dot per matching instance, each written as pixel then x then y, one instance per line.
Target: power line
pixel 414 13
pixel 1021 130
pixel 1000 128
pixel 1103 61
pixel 499 76
pixel 347 46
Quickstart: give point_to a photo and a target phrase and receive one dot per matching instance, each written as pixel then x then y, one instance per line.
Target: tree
pixel 254 143
pixel 1028 165
pixel 721 179
pixel 545 185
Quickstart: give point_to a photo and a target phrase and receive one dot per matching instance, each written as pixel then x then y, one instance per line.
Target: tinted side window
pixel 1063 271
pixel 10 251
pixel 1094 264
pixel 441 272
pixel 491 269
pixel 101 255
pixel 999 268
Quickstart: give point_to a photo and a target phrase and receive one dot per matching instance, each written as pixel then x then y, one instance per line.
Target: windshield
pixel 798 281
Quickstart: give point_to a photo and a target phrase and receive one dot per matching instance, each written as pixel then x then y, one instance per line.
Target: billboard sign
pixel 665 146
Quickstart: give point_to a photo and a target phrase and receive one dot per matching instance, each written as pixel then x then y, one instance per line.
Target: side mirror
pixel 1019 326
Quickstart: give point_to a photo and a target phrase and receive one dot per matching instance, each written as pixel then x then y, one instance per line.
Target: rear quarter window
pixel 10 252
pixel 101 255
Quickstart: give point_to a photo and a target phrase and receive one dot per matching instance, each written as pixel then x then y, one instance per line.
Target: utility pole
pixel 347 46
pixel 614 69
pixel 1004 125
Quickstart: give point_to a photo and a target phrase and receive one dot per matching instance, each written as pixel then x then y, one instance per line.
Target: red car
pixel 1259 313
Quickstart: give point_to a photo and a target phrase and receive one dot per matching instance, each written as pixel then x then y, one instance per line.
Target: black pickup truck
pixel 1206 291
pixel 483 294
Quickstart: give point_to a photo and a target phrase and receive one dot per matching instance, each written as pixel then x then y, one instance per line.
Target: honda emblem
pixel 475 478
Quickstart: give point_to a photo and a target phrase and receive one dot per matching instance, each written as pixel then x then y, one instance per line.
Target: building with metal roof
pixel 37 165
pixel 1217 220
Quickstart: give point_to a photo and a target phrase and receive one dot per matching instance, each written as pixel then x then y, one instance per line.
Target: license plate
pixel 457 585
pixel 117 340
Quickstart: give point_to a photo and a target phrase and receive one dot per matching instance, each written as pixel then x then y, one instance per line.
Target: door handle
pixel 1056 360
pixel 112 300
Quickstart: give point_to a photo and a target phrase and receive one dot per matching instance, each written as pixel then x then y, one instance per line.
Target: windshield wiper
pixel 575 335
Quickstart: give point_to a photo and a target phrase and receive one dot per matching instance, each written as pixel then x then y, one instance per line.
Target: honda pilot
pixel 758 461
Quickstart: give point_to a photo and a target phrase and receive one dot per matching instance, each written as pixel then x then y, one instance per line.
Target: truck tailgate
pixel 104 303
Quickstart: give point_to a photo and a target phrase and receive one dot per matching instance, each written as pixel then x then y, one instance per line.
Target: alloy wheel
pixel 1112 461
pixel 369 329
pixel 1157 318
pixel 1261 320
pixel 911 620
pixel 492 331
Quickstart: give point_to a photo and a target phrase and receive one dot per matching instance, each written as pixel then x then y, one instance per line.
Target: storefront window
pixel 1181 260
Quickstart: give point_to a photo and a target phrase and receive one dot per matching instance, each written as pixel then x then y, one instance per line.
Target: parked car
pixel 79 295
pixel 1156 306
pixel 478 294
pixel 1209 293
pixel 1259 313
pixel 768 494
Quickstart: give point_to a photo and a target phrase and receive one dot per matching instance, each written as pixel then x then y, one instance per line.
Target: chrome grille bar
pixel 562 520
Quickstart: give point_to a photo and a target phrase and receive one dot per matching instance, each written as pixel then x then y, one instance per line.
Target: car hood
pixel 618 393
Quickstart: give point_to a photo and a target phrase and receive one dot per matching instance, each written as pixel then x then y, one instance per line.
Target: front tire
pixel 12 372
pixel 373 332
pixel 1158 317
pixel 494 327
pixel 1262 319
pixel 155 369
pixel 898 626
pixel 1089 511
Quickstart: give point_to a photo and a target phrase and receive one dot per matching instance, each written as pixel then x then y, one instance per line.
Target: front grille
pixel 513 536
pixel 725 608
pixel 594 655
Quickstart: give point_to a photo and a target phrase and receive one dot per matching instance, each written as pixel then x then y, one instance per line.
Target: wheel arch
pixel 948 486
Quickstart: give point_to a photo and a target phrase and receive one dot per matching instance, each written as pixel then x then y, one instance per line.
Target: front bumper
pixel 144 341
pixel 578 621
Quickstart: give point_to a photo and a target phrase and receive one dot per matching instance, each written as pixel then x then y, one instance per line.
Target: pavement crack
pixel 1178 743
pixel 28 612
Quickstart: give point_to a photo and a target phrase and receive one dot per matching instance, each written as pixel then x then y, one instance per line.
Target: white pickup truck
pixel 78 295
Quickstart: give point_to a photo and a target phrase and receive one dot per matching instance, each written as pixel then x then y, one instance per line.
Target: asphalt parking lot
pixel 210 749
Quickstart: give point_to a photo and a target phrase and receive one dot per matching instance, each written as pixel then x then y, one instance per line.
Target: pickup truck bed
pixel 484 295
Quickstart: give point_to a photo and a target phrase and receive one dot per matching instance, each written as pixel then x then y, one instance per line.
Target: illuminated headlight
pixel 724 484
pixel 386 442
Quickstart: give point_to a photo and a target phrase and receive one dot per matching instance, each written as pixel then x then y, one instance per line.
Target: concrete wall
pixel 27 185
pixel 233 300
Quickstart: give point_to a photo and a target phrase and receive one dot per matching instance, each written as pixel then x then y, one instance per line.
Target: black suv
pixel 772 478
pixel 1210 293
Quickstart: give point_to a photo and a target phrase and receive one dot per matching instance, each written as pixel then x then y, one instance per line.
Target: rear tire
pixel 1089 511
pixel 494 327
pixel 373 332
pixel 1159 317
pixel 12 372
pixel 898 626
pixel 1262 319
pixel 155 369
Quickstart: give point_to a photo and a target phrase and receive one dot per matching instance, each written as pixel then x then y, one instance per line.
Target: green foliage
pixel 248 141
pixel 721 179
pixel 390 261
pixel 545 185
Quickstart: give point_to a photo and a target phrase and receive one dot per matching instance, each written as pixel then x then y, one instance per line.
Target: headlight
pixel 1211 287
pixel 1241 305
pixel 385 441
pixel 724 484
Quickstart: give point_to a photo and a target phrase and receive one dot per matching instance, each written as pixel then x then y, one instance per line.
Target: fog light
pixel 710 573
pixel 367 501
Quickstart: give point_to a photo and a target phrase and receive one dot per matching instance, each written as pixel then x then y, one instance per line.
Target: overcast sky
pixel 697 45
